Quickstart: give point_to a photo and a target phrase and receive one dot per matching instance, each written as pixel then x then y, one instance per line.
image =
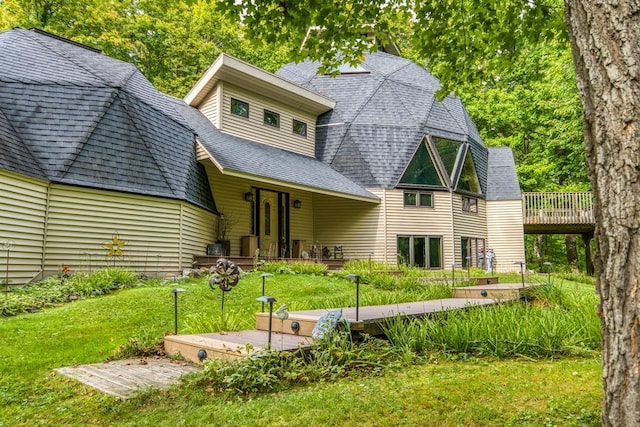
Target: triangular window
pixel 468 177
pixel 422 170
pixel 448 151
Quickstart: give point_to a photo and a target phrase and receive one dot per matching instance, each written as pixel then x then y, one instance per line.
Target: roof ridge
pixel 80 64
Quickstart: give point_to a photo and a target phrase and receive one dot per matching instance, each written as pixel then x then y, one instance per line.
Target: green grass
pixel 441 388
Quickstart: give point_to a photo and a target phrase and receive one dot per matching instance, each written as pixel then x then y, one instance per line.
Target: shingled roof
pixel 71 115
pixel 384 108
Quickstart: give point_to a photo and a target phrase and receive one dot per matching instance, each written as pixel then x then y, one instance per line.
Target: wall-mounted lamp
pixel 248 196
pixel 297 204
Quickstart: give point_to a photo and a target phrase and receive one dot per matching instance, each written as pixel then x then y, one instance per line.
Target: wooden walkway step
pixel 125 378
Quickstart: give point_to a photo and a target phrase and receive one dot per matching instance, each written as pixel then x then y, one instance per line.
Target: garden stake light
pixel 548 264
pixel 175 308
pixel 8 245
pixel 357 279
pixel 521 270
pixel 264 276
pixel 270 300
pixel 468 268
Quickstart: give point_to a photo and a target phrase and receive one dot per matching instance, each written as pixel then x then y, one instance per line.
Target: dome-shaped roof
pixel 384 108
pixel 72 115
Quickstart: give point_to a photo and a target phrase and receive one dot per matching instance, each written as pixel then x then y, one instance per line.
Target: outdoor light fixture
pixel 468 258
pixel 548 264
pixel 264 276
pixel 176 291
pixel 248 196
pixel 270 300
pixel 521 270
pixel 297 204
pixel 483 293
pixel 295 327
pixel 202 354
pixel 357 279
pixel 453 274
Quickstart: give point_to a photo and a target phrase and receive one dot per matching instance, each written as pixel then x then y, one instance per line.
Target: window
pixel 417 198
pixel 299 128
pixel 468 177
pixel 239 108
pixel 469 204
pixel 420 251
pixel 271 118
pixel 421 170
pixel 472 252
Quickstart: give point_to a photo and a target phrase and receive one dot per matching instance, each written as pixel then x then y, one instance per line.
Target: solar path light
pixel 270 300
pixel 176 291
pixel 264 276
pixel 357 280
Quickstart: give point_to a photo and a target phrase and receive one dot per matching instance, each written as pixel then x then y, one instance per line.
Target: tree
pixel 474 40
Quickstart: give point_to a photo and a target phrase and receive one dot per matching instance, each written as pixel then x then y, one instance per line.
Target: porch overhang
pixel 203 156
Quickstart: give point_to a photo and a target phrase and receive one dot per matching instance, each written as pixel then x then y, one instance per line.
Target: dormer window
pixel 299 128
pixel 271 118
pixel 239 108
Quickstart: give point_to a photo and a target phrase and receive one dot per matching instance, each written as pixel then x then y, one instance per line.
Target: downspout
pixel 384 228
pixel 45 232
pixel 453 235
pixel 180 238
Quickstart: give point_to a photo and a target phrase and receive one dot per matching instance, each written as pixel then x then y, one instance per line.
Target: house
pixel 435 194
pixel 368 162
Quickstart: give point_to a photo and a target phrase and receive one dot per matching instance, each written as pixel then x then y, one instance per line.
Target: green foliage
pixel 144 344
pixel 293 267
pixel 336 356
pixel 557 322
pixel 56 290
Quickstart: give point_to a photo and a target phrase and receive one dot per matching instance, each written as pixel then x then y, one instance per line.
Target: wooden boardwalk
pixel 125 378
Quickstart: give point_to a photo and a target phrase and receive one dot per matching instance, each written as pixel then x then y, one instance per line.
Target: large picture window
pixel 420 251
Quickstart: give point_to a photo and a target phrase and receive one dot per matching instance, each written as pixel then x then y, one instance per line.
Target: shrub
pixel 294 267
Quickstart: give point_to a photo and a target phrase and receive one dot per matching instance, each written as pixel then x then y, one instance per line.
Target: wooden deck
pixel 369 320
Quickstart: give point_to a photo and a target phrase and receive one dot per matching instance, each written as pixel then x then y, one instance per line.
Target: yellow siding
pixel 209 106
pixel 81 221
pixel 506 233
pixel 197 232
pixel 357 226
pixel 22 220
pixel 254 129
pixel 467 224
pixel 419 221
pixel 229 196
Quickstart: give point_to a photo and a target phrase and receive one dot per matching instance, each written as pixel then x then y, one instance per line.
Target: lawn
pixel 441 388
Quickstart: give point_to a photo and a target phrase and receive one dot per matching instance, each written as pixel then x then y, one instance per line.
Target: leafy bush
pixel 59 289
pixel 333 357
pixel 143 345
pixel 294 267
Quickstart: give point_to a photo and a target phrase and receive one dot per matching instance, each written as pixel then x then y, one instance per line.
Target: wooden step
pixel 496 291
pixel 306 323
pixel 231 345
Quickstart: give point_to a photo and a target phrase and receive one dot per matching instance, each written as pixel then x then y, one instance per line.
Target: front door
pixel 268 224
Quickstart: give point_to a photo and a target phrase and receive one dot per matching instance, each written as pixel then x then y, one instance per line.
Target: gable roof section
pixel 384 115
pixel 15 155
pixel 91 120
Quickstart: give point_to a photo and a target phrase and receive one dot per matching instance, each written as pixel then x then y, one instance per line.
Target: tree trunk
pixel 605 38
pixel 572 250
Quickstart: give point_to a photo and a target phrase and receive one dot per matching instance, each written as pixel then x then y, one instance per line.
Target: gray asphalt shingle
pixel 383 116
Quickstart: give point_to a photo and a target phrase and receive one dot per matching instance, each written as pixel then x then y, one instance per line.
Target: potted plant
pixel 225 224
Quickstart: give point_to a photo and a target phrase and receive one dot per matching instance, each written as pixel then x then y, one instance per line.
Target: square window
pixel 426 200
pixel 271 118
pixel 469 204
pixel 299 127
pixel 239 108
pixel 410 199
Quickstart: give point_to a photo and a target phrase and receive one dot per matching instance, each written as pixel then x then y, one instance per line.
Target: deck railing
pixel 557 208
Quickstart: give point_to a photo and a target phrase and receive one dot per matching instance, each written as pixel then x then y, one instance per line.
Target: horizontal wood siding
pixel 229 191
pixel 81 221
pixel 253 128
pixel 197 231
pixel 468 224
pixel 505 233
pixel 356 226
pixel 419 221
pixel 209 106
pixel 23 203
